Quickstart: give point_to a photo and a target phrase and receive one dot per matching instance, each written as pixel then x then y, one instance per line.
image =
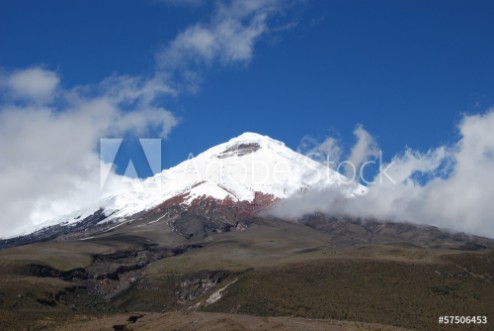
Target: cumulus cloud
pixel 35 84
pixel 228 37
pixel 50 163
pixel 364 148
pixel 449 186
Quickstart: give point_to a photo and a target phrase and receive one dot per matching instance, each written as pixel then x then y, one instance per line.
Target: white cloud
pixel 327 152
pixel 450 186
pixel 50 165
pixel 364 148
pixel 229 37
pixel 36 84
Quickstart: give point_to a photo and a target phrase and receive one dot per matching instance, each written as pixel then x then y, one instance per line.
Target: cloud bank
pixel 49 137
pixel 450 186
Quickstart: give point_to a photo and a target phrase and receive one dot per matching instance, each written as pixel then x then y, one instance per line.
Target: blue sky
pixel 405 70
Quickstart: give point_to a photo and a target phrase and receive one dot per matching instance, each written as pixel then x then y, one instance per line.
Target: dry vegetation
pixel 287 275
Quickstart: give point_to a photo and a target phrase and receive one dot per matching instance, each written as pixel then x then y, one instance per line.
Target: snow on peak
pixel 238 169
pixel 235 170
pixel 252 137
pixel 210 189
pixel 246 143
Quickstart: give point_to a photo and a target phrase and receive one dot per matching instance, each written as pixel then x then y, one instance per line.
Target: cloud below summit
pixel 450 186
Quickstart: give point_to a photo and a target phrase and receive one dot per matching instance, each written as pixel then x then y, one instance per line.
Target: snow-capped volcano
pixel 236 171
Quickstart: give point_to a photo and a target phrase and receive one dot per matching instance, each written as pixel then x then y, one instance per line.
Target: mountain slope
pixel 202 243
pixel 234 171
